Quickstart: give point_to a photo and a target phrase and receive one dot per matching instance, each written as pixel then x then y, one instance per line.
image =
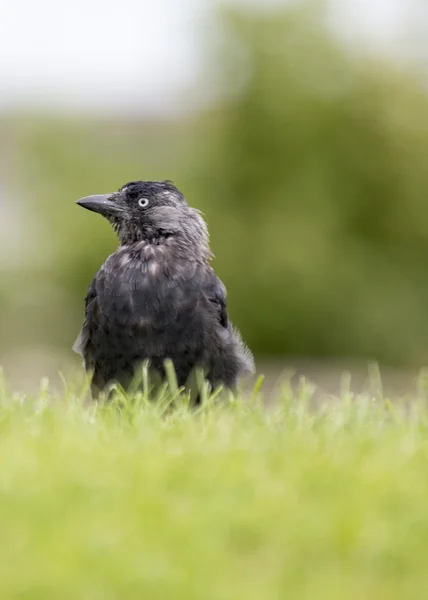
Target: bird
pixel 157 297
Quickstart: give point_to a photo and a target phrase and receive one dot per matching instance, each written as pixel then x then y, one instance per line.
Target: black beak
pixel 101 203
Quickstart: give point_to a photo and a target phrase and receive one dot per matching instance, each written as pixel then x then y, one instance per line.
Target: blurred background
pixel 299 128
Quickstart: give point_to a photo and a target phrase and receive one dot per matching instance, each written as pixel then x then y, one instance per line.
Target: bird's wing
pixel 216 294
pixel 237 356
pixel 81 343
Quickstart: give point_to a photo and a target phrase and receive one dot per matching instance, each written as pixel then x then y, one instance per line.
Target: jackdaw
pixel 157 297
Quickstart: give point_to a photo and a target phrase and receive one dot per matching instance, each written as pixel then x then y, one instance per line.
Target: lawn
pixel 149 501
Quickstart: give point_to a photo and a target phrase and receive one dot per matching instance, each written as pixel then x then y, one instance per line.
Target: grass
pixel 135 500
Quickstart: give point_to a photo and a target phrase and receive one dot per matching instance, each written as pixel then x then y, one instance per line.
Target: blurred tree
pixel 320 169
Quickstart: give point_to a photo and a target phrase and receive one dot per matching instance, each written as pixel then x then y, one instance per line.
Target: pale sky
pixel 133 54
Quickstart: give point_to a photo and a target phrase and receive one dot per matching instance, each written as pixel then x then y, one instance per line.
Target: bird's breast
pixel 147 287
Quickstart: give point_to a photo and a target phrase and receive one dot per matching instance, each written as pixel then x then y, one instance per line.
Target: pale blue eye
pixel 143 202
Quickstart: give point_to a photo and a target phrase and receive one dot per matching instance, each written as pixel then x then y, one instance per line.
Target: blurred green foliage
pixel 311 171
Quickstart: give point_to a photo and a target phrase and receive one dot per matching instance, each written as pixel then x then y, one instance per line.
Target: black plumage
pixel 157 296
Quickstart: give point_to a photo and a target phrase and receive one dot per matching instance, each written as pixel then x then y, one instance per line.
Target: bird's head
pixel 152 211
